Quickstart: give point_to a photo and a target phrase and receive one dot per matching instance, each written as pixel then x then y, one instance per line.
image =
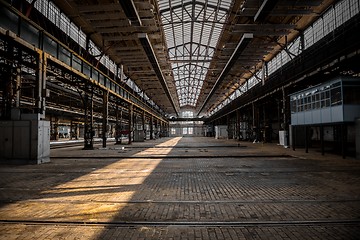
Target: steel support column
pixel 285 125
pixel 156 128
pixel 55 128
pixel 105 117
pixel 151 127
pixel 6 82
pixel 238 124
pixel 118 125
pixel 131 124
pixel 41 85
pixel 89 119
pixel 18 87
pixel 143 123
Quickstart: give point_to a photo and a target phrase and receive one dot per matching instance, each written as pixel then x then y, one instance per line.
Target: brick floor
pixel 182 188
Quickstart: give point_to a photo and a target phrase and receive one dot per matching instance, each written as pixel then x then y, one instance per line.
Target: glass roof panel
pixel 192 29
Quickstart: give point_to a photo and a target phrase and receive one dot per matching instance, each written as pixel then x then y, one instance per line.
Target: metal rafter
pixel 203 33
pixel 192 29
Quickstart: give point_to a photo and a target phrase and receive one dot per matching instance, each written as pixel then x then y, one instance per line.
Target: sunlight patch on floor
pixel 161 149
pixel 98 196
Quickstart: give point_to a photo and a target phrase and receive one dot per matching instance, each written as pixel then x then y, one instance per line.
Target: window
pixel 293 104
pixel 190 130
pixel 187 114
pixel 336 98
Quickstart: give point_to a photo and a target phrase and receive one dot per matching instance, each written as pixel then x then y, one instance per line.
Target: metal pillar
pixel 41 86
pixel 18 87
pixel 71 129
pixel 118 126
pixel 6 83
pixel 168 129
pixel 105 117
pixel 285 126
pixel 238 124
pixel 131 113
pixel 88 128
pixel 255 116
pixel 55 129
pixel 143 124
pixel 160 128
pixel 77 131
pixel 151 127
pixel 228 126
pixel 279 114
pixel 156 128
pixel 264 125
pixel 74 130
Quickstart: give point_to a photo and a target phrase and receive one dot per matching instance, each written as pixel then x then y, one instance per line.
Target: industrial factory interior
pixel 180 119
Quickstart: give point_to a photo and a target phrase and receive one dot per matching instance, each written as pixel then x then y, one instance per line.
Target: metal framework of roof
pixel 192 30
pixel 195 54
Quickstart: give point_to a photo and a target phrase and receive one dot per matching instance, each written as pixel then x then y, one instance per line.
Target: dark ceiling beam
pixel 244 42
pixel 191 21
pixel 303 3
pixel 280 12
pixel 266 7
pixel 104 22
pixel 193 3
pixel 130 11
pixel 146 44
pixel 102 16
pixel 98 8
pixel 264 32
pixel 191 43
pixel 293 12
pixel 251 27
pixel 189 61
pixel 127 37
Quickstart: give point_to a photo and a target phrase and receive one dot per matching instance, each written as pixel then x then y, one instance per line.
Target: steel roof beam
pixel 130 11
pixel 193 3
pixel 266 7
pixel 146 44
pixel 244 42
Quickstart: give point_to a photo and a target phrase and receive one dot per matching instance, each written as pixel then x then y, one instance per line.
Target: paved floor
pixel 182 188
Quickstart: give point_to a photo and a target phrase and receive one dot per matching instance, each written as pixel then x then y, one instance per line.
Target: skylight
pixel 192 29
